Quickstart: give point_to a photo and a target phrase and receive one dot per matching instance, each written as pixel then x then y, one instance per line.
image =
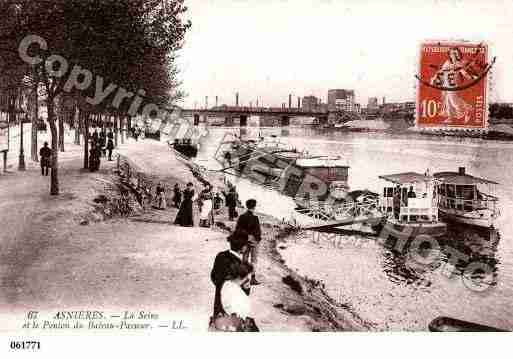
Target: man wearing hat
pixel 224 262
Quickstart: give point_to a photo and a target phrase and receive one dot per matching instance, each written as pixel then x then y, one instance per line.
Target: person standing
pixel 184 216
pixel 161 196
pixel 94 136
pixel 177 198
pixel 231 202
pixel 223 266
pixel 46 155
pixel 110 147
pixel 249 223
pixel 206 206
pixel 102 140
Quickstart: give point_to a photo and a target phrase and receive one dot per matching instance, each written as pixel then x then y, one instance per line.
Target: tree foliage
pixel 130 43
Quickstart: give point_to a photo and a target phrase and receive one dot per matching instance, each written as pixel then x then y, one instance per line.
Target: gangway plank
pixel 341 222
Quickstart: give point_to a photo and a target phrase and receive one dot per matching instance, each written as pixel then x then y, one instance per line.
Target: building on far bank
pixel 372 104
pixel 310 103
pixel 398 109
pixel 341 99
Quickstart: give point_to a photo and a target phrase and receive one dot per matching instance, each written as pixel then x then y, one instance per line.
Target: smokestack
pixel 250 104
pixel 206 102
pixel 298 102
pixel 257 103
pixel 237 99
pixel 216 101
pixel 290 101
pixel 461 171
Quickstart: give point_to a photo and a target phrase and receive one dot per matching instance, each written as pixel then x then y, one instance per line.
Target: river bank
pixel 295 298
pixel 66 252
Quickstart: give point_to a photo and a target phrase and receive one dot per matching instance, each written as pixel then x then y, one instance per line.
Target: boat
pixel 447 324
pixel 184 147
pixel 331 170
pixel 462 198
pixel 409 202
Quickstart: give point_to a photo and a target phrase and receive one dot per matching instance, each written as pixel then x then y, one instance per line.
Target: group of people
pixel 209 204
pixel 136 132
pixel 233 274
pixel 102 145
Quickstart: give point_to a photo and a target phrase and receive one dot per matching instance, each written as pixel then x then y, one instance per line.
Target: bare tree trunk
pixel 122 128
pixel 60 117
pixel 85 122
pixel 78 124
pixel 35 121
pixel 54 179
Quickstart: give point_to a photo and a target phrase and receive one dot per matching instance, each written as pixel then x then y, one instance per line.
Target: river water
pixel 387 289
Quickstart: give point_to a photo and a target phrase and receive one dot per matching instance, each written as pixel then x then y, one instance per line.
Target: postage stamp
pixel 452 91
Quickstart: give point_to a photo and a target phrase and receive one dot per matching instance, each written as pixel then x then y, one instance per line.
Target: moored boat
pixel 462 198
pixel 409 202
pixel 447 324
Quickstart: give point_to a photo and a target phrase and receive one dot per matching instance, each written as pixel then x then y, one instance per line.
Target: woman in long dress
pixel 184 216
pixel 161 196
pixel 206 206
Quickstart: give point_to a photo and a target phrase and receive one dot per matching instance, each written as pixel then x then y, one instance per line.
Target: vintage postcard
pixel 182 168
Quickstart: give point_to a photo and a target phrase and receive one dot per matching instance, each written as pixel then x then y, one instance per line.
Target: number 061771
pixel 25 345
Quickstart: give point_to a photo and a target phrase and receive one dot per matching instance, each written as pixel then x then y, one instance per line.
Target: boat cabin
pixel 333 171
pixel 410 197
pixel 462 197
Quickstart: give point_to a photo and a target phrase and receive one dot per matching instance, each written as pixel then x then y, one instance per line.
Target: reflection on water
pixel 472 245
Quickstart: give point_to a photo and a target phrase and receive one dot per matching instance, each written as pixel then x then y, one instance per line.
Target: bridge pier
pixel 228 121
pixel 285 121
pixel 323 120
pixel 243 120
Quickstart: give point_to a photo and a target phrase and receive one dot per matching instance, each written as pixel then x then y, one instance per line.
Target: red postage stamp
pixel 452 91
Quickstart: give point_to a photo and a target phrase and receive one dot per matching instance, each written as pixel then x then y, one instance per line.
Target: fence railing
pixel 132 176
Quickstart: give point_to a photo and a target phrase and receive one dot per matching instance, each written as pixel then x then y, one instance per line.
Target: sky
pixel 268 49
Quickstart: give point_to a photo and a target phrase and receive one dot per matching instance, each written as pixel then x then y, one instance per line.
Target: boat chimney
pixel 461 171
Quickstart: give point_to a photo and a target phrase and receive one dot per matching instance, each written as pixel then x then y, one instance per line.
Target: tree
pixel 131 43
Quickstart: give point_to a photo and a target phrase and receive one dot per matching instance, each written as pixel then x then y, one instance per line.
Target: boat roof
pixel 461 179
pixel 321 162
pixel 406 177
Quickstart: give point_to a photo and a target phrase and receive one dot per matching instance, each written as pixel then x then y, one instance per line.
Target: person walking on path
pixel 177 197
pixel 223 266
pixel 46 155
pixel 231 202
pixel 249 223
pixel 103 140
pixel 184 216
pixel 206 206
pixel 110 147
pixel 161 196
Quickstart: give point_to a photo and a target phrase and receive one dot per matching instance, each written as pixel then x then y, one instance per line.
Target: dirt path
pixel 49 262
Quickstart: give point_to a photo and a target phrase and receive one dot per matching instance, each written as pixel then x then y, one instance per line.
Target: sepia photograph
pixel 170 167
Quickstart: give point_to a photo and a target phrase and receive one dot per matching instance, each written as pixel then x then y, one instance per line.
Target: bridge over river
pixel 284 114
